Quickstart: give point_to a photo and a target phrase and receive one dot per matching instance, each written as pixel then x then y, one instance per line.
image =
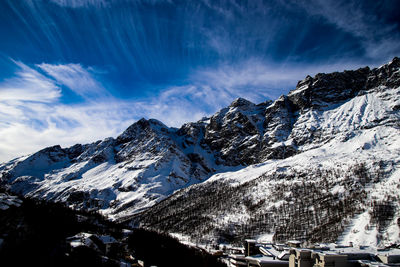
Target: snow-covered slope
pixel 341 184
pixel 315 164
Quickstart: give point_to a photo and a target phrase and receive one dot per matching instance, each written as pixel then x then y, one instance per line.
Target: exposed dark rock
pixel 329 88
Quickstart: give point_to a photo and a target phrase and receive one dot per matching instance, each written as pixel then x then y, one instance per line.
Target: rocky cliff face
pixel 328 119
pixel 234 133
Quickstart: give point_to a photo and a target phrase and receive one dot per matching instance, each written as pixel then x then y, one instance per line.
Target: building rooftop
pixel 107 239
pixel 262 259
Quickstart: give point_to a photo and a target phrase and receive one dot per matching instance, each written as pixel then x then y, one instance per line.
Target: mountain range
pixel 320 164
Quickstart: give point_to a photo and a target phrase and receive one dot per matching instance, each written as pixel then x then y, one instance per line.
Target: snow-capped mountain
pixel 119 176
pixel 319 164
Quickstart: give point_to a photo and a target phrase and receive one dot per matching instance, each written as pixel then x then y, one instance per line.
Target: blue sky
pixel 75 71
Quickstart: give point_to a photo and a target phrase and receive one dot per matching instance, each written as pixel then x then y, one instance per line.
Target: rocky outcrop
pixel 325 89
pixel 387 75
pixel 234 133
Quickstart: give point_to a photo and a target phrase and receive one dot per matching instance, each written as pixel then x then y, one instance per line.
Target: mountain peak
pixel 395 61
pixel 142 125
pixel 241 102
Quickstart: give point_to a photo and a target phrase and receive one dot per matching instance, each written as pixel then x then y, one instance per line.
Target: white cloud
pixel 179 104
pixel 19 139
pixel 32 116
pixel 19 88
pixel 76 78
pixel 36 126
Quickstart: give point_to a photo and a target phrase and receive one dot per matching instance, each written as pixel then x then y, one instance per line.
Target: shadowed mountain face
pixel 336 118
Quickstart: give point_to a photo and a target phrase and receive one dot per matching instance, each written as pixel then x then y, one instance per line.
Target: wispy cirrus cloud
pixel 101 3
pixel 81 3
pixel 180 104
pixel 379 37
pixel 32 115
pixel 17 88
pixel 60 124
pixel 76 78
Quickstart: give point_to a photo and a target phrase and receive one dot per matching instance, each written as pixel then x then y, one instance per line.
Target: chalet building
pixel 261 255
pixel 101 243
pixel 265 261
pixel 82 239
